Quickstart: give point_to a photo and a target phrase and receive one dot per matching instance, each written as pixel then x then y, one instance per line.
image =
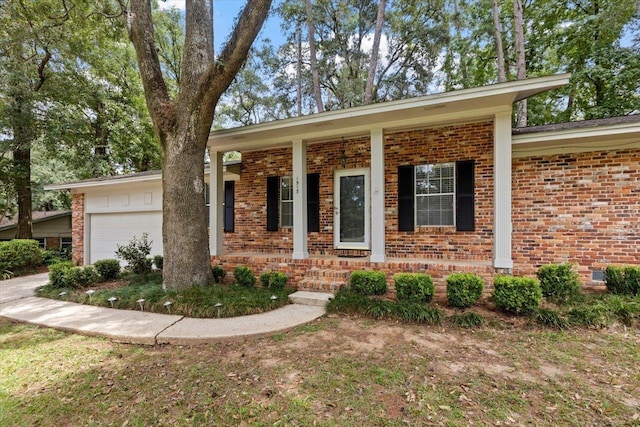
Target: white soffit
pixel 610 137
pixel 447 107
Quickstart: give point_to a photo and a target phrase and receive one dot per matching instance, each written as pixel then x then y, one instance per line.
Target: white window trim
pixel 416 195
pixel 281 201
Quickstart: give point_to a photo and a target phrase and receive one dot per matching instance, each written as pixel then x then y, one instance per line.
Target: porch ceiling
pixel 448 107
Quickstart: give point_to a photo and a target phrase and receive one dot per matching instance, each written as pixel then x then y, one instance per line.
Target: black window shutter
pixel 229 208
pixel 273 190
pixel 406 198
pixel 465 198
pixel 313 202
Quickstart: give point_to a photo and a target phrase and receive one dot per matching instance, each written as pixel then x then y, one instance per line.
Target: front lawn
pixel 202 302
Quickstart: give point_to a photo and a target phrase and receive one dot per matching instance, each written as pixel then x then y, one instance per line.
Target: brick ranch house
pixel 435 184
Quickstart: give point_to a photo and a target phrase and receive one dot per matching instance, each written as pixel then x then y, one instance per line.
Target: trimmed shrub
pixel 63 275
pixel 54 256
pixel 218 273
pixel 622 280
pixel 464 289
pixel 19 255
pixel 86 276
pixel 244 276
pixel 275 280
pixel 368 282
pixel 559 282
pixel 414 287
pixel 108 269
pixel 136 253
pixel 158 261
pixel 517 295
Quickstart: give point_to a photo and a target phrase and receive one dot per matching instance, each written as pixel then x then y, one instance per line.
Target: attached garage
pixel 108 230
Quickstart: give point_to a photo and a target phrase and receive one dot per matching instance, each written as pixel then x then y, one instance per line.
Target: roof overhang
pixel 607 137
pixel 449 107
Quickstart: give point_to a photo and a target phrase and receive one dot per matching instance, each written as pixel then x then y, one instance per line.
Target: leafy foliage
pixel 467 319
pixel 464 289
pixel 244 276
pixel 19 255
pixel 551 318
pixel 66 275
pixel 273 280
pixel 108 269
pixel 158 261
pixel 414 287
pixel 368 282
pixel 622 280
pixel 136 253
pixel 218 273
pixel 559 282
pixel 517 295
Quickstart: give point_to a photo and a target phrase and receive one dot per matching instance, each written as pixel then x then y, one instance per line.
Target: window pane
pixel 352 209
pixel 435 189
pixel 286 214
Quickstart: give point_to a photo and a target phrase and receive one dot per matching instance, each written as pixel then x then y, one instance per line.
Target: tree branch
pixel 41 67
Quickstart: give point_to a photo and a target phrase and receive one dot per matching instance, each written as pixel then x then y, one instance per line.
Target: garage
pixel 107 230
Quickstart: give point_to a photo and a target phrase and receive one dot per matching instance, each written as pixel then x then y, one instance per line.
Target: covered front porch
pixel 329 273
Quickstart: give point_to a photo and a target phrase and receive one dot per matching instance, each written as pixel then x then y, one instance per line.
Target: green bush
pixel 244 276
pixel 368 282
pixel 414 287
pixel 54 256
pixel 108 269
pixel 63 275
pixel 622 280
pixel 86 276
pixel 158 261
pixel 464 289
pixel 559 282
pixel 136 253
pixel 517 295
pixel 218 273
pixel 19 255
pixel 274 280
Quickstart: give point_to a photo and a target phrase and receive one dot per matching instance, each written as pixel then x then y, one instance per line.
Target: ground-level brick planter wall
pixel 77 228
pixel 582 208
pixel 415 147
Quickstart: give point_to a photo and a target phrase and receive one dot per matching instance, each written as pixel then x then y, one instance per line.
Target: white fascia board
pixel 618 136
pixel 281 132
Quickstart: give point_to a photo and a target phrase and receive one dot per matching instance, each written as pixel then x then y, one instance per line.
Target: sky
pixel 224 14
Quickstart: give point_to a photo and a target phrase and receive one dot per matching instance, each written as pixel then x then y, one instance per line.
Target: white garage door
pixel 111 229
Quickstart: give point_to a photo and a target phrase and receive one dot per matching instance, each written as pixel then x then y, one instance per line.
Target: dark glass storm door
pixel 351 201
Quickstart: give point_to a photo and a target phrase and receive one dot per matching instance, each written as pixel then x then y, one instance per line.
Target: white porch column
pixel 300 250
pixel 216 208
pixel 377 196
pixel 502 191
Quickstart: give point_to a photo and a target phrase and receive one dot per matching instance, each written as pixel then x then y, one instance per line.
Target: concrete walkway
pixel 18 303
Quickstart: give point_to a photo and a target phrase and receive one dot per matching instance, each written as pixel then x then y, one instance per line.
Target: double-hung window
pixel 435 194
pixel 286 201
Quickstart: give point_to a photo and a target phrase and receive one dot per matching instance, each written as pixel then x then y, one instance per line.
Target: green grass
pixel 196 301
pixel 343 371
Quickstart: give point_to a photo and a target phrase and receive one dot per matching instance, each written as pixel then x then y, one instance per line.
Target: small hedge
pixel 559 282
pixel 517 295
pixel 368 282
pixel 19 255
pixel 414 287
pixel 274 280
pixel 464 289
pixel 244 276
pixel 108 269
pixel 66 275
pixel 622 280
pixel 218 273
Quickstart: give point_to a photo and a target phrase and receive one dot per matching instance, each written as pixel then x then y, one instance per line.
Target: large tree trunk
pixel 497 28
pixel 22 168
pixel 368 91
pixel 313 58
pixel 184 226
pixel 521 65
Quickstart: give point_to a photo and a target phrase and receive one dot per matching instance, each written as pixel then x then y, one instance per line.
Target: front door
pixel 351 201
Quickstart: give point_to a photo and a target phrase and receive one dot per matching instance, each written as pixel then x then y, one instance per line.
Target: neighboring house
pixel 435 184
pixel 52 229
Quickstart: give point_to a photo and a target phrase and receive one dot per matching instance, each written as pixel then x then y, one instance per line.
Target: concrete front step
pixel 317 299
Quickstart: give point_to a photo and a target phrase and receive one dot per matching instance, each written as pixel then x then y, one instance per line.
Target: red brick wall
pixel 581 208
pixel 77 228
pixel 436 145
pixel 442 145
